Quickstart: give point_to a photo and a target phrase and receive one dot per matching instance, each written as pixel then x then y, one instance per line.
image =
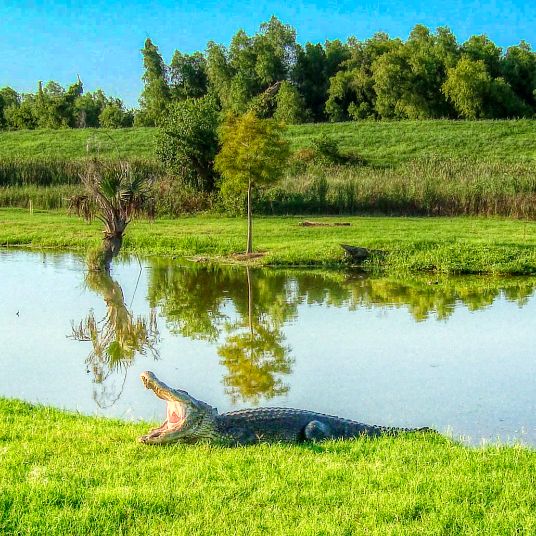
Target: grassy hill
pixel 382 143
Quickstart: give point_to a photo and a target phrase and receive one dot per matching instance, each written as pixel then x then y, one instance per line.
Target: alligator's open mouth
pixel 176 409
pixel 175 419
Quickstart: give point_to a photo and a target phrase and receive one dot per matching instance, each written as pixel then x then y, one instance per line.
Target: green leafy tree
pixel 114 115
pixel 467 86
pixel 188 75
pixel 187 141
pixel 156 94
pixel 519 70
pixel 253 154
pixel 351 92
pixel 408 78
pixel 88 108
pixel 22 115
pixel 475 94
pixel 311 78
pixel 219 72
pixel 481 48
pixel 290 106
pixel 8 98
pixel 275 51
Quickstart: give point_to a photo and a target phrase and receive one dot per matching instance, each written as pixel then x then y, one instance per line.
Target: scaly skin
pixel 190 420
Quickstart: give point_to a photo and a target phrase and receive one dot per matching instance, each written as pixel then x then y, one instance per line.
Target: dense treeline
pixel 53 106
pixel 430 75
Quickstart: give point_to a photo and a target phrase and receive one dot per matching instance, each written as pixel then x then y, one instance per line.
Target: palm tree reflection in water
pixel 116 339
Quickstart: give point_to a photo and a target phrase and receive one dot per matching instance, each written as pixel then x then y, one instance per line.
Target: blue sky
pixel 100 40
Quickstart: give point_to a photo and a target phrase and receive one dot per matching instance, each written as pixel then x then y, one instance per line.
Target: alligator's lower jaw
pixel 175 418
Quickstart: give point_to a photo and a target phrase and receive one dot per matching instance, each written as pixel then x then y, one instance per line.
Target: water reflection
pixel 254 352
pixel 243 313
pixel 195 300
pixel 115 339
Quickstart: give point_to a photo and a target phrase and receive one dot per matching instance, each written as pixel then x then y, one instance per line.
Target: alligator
pixel 189 420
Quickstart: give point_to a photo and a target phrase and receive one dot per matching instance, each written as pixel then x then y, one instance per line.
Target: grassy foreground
pixel 448 245
pixel 62 473
pixel 379 142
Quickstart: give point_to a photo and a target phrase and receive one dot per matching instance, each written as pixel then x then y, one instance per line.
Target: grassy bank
pixel 63 473
pixel 410 168
pixel 448 245
pixel 385 143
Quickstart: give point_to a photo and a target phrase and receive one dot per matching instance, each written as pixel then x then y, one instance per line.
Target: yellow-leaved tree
pixel 253 155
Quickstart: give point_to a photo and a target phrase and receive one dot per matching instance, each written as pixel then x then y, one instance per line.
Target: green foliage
pixel 290 106
pixel 53 107
pixel 188 75
pixel 481 48
pixel 253 155
pixel 253 151
pixel 519 69
pixel 310 75
pixel 475 95
pixel 327 149
pixel 187 141
pixel 241 74
pixel 155 96
pixel 466 87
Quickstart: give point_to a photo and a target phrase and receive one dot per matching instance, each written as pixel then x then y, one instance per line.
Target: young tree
pixel 253 154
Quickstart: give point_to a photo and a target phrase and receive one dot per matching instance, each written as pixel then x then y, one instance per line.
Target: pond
pixel 456 354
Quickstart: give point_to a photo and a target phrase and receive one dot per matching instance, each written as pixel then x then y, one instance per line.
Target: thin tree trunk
pixel 250 303
pixel 250 223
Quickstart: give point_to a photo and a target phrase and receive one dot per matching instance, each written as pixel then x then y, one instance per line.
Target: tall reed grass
pixel 53 171
pixel 432 186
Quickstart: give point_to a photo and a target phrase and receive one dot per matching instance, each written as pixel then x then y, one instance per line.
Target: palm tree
pixel 113 195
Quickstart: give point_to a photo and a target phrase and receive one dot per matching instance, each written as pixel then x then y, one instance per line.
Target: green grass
pixel 381 143
pixel 447 245
pixel 63 473
pixel 390 143
pixel 74 144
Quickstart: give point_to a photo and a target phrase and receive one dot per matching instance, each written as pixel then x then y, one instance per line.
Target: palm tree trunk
pixel 111 246
pixel 250 223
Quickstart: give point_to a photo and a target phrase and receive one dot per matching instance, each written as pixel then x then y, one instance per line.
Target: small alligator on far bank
pixel 189 420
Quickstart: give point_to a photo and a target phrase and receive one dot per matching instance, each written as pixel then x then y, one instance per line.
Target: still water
pixel 455 354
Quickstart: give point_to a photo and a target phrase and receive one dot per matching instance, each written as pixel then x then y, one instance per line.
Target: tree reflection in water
pixel 195 301
pixel 254 352
pixel 116 339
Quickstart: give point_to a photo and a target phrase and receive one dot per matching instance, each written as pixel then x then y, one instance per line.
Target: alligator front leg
pixel 317 431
